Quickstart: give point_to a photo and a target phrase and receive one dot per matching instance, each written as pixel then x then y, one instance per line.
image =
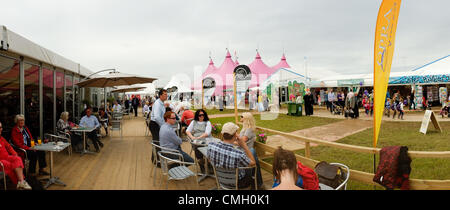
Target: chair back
pixel 165 159
pixel 116 125
pixel 226 178
pixel 343 185
pixel 117 115
pixel 156 148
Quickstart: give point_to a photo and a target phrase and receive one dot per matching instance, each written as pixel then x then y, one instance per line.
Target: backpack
pixel 330 175
pixel 310 179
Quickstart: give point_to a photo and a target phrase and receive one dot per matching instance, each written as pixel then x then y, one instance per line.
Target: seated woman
pixel 285 170
pixel 199 128
pixel 103 118
pixel 12 163
pixel 21 137
pixel 63 127
pixel 248 135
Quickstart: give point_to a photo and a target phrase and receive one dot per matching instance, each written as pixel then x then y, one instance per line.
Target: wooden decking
pixel 122 164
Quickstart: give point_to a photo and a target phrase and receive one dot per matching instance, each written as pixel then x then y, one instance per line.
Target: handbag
pixel 329 175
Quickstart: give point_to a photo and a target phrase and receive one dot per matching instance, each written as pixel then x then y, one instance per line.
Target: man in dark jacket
pixel 135 104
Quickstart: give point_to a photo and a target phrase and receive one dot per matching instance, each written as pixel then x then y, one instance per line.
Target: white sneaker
pixel 23 185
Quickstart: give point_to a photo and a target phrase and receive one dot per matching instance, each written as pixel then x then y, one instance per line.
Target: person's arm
pixel 249 154
pixel 158 114
pixel 17 139
pixel 96 123
pixel 189 130
pixel 8 147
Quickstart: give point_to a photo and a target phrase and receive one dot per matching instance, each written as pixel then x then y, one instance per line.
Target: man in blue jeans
pixel 169 139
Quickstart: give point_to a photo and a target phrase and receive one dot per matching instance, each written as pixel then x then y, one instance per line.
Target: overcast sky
pixel 164 38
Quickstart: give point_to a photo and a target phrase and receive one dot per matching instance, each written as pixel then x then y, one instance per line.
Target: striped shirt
pixel 224 155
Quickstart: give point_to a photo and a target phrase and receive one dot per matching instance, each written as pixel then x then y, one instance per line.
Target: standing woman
pixel 248 135
pixel 21 137
pixel 12 163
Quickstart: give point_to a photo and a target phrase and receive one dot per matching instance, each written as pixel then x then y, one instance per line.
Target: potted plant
pixel 216 130
pixel 262 137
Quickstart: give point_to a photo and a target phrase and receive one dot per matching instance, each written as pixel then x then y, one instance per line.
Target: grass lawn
pixel 225 111
pixel 391 134
pixel 283 122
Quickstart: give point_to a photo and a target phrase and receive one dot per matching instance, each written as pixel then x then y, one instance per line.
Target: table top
pixel 51 147
pixel 205 141
pixel 203 150
pixel 83 129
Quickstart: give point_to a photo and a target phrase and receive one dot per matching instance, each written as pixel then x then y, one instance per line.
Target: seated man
pixel 117 107
pixel 90 121
pixel 224 155
pixel 169 139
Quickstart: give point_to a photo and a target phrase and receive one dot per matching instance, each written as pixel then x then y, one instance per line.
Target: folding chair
pixel 344 183
pixel 156 160
pixel 181 172
pixel 55 138
pixel 228 179
pixel 116 125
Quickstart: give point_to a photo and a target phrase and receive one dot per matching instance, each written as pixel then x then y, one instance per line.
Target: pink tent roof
pixel 210 69
pixel 260 71
pixel 282 64
pixel 224 75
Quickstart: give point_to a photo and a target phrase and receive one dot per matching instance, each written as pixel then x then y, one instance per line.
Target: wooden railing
pixel 364 177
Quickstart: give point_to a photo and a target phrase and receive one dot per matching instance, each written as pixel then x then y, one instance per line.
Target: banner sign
pixel 383 54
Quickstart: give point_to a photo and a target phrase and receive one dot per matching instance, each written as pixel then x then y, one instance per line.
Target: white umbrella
pixel 114 79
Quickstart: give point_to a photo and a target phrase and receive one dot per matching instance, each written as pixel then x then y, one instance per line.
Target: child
pixel 394 108
pixel 366 105
pixel 400 109
pixel 387 107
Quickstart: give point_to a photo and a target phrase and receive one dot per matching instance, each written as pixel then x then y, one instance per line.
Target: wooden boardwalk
pixel 122 164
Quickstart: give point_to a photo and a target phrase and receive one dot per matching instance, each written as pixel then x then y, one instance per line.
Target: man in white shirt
pixel 117 107
pixel 331 99
pixel 90 121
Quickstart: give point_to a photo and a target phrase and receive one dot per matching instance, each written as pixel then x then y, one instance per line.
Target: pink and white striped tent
pixel 282 64
pixel 223 75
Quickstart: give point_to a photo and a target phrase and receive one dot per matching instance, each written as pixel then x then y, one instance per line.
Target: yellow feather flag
pixel 383 54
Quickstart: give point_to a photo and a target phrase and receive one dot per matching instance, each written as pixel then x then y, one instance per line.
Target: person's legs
pixel 32 157
pixel 93 136
pixel 258 168
pixel 42 162
pixel 186 157
pixel 135 110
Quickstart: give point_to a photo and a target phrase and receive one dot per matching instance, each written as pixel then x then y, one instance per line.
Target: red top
pixel 17 137
pixel 187 114
pixel 6 149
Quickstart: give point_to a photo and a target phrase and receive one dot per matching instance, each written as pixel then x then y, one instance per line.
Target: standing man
pixel 157 114
pixel 135 103
pixel 331 99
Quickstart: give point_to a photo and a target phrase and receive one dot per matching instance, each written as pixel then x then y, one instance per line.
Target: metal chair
pixel 26 161
pixel 116 125
pixel 2 174
pixel 69 140
pixel 181 172
pixel 228 179
pixel 344 183
pixel 117 116
pixel 55 138
pixel 156 161
pixel 147 126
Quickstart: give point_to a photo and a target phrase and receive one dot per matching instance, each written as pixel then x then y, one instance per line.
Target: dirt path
pixel 329 132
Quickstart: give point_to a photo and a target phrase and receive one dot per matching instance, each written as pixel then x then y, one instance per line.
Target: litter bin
pixel 294 109
pixel 299 108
